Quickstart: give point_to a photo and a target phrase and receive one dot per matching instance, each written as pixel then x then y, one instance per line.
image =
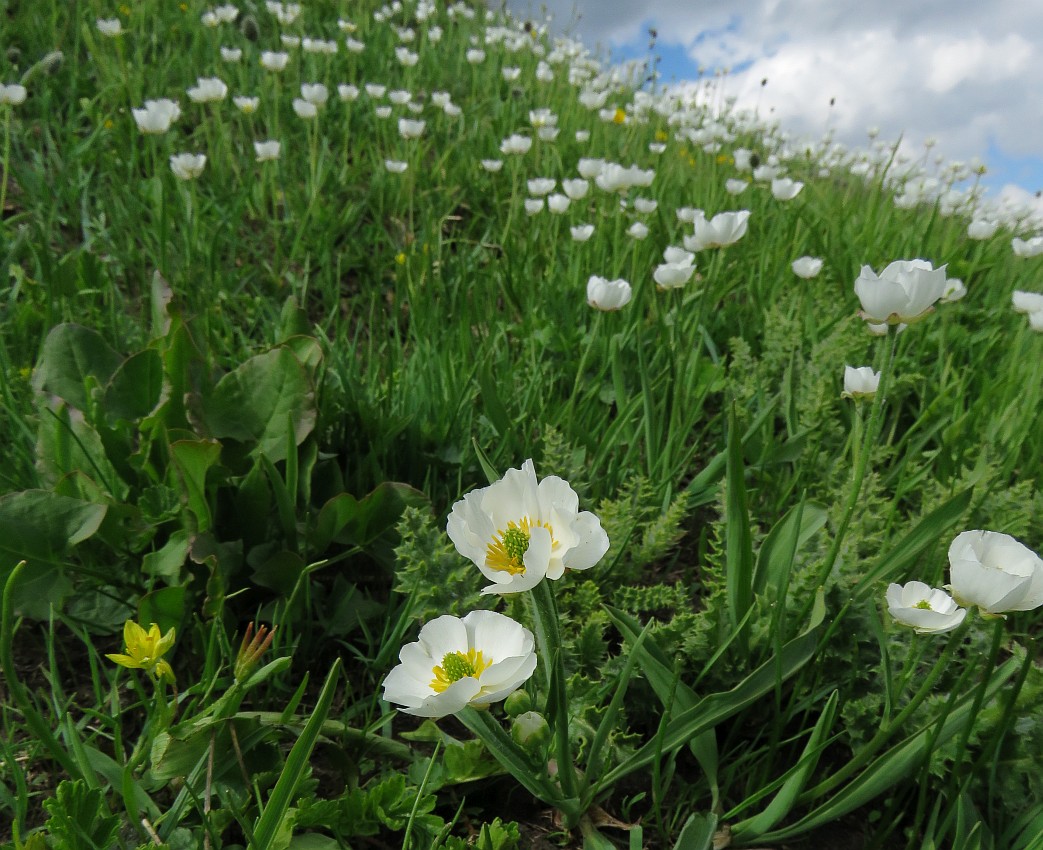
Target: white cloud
pixel 967 72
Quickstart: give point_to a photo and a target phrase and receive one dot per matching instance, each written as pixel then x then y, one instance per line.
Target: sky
pixel 968 73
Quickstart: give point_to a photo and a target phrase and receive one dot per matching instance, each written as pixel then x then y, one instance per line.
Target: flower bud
pixel 249 27
pixel 530 731
pixel 518 703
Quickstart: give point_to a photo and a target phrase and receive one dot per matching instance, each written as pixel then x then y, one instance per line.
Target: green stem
pixel 548 640
pixel 888 729
pixel 7 159
pixel 872 432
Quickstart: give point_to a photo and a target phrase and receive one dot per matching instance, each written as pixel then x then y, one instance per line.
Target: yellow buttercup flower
pixel 145 650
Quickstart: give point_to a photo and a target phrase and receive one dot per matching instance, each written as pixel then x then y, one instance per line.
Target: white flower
pixel 558 204
pixel 231 54
pixel 382 111
pixel 734 186
pixel 188 166
pixel 1027 302
pixel 475 660
pixel 111 27
pixel 645 205
pixel 208 90
pixel 492 165
pixel 475 56
pixel 247 105
pixel 411 129
pixel 1036 321
pixel 541 185
pixel 765 173
pixel 722 230
pixel 902 293
pixel 290 40
pixel 533 205
pixel 590 168
pixel 926 609
pixel 575 189
pixel 547 134
pixel 155 118
pixel 515 144
pixel 637 230
pixel 1027 247
pixel 676 271
pixel 807 267
pixel 616 178
pixel 287 14
pixel 510 74
pixel 395 166
pixel 267 150
pixel 318 45
pixel 582 136
pixel 399 97
pixel 688 215
pixel 304 108
pixel 209 19
pixel 607 295
pixel 982 229
pixel 581 232
pixel 452 110
pixel 785 189
pixel 954 290
pixel 354 45
pixel 375 90
pixel 995 572
pixel 544 73
pixel 226 13
pixel 861 382
pixel 656 147
pixel 743 159
pixel 272 61
pixel 347 92
pixel 678 256
pixel 518 531
pixel 315 93
pixel 406 56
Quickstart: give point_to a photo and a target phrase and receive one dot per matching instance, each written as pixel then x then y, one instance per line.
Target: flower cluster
pixel 987 569
pixel 518 531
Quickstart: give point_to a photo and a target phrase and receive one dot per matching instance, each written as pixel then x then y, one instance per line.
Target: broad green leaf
pixel 72 353
pixel 67 444
pixel 697 833
pixel 255 402
pixel 352 521
pixel 165 607
pixel 135 389
pixel 789 534
pixel 167 562
pixel 192 459
pixel 39 527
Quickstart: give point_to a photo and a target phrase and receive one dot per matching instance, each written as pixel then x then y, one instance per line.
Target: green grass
pixel 254 397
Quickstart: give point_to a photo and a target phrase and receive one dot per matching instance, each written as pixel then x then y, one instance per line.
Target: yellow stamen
pixel 456 666
pixel 509 546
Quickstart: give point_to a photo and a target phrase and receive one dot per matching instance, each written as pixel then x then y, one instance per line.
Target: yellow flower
pixel 619 117
pixel 400 258
pixel 145 650
pixel 661 135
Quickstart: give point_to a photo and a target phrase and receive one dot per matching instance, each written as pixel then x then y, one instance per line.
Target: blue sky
pixel 967 73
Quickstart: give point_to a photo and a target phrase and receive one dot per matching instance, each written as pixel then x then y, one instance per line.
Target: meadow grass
pixel 253 397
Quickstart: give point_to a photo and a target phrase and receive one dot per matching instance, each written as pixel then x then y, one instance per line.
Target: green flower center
pixel 456 666
pixel 923 605
pixel 507 550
